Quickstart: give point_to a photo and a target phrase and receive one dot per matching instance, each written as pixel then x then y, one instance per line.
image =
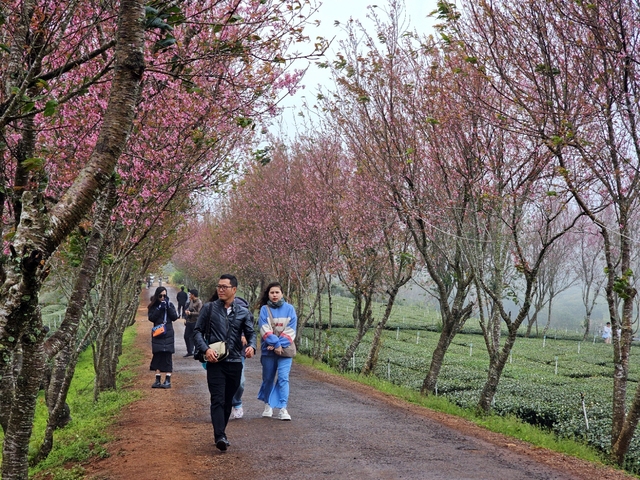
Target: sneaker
pixel 238 412
pixel 284 415
pixel 268 411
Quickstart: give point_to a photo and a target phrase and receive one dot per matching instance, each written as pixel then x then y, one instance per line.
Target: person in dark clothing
pixel 162 311
pixel 237 412
pixel 224 320
pixel 190 318
pixel 182 298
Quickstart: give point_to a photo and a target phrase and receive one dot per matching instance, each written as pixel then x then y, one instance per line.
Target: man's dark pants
pixel 188 337
pixel 223 379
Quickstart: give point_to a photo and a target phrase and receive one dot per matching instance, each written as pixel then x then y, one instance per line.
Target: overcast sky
pixel 417 12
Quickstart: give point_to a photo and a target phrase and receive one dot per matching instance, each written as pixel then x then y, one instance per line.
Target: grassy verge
pixel 87 433
pixel 510 425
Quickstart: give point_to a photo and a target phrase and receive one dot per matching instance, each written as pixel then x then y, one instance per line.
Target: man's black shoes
pixel 222 444
pixel 188 355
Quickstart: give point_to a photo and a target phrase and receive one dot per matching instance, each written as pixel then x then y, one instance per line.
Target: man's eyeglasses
pixel 223 287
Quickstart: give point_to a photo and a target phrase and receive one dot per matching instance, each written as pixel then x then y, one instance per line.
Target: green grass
pixel 87 433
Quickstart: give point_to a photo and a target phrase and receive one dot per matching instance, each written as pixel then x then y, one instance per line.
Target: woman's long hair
pixel 265 295
pixel 155 300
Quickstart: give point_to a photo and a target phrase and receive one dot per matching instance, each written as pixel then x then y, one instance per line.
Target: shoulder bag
pixel 219 347
pixel 287 352
pixel 161 329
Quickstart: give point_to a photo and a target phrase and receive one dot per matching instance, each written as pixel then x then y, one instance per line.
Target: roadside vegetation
pixel 87 434
pixel 535 401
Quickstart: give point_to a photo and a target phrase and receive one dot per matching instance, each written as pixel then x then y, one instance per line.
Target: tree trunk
pixel 363 319
pixel 59 412
pixel 533 320
pixel 496 366
pixel 624 423
pixel 348 355
pixel 372 357
pixel 38 235
pixel 446 337
pixel 587 327
pixel 106 354
pixel 548 324
pixel 374 352
pixel 116 314
pixel 16 440
pixel 65 360
pixel 621 445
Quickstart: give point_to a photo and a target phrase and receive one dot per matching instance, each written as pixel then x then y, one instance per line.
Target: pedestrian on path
pixel 182 298
pixel 238 412
pixel 190 318
pixel 161 312
pixel 224 320
pixel 278 325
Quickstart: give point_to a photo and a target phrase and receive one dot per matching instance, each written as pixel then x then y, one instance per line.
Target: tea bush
pixel 543 383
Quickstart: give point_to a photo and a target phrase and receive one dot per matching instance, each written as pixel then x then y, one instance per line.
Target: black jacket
pixel 163 343
pixel 182 297
pixel 225 327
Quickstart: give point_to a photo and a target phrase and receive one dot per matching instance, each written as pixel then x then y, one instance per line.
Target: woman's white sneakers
pixel 268 412
pixel 284 415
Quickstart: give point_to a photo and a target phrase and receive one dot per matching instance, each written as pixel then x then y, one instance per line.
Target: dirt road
pixel 339 430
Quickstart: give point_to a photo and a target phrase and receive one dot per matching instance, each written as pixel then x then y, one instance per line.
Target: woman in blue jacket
pixel 161 310
pixel 278 324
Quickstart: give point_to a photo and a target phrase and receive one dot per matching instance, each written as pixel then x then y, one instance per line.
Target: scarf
pixel 279 303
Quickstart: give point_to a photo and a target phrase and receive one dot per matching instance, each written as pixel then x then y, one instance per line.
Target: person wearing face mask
pixel 278 324
pixel 162 313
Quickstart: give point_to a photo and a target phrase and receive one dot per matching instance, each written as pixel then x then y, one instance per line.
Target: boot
pixel 157 383
pixel 167 382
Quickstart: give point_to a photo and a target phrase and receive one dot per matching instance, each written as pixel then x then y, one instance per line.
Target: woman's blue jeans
pixel 275 391
pixel 237 398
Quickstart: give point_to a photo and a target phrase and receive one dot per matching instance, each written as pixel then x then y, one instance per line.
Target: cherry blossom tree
pixel 569 69
pixel 395 115
pixel 74 94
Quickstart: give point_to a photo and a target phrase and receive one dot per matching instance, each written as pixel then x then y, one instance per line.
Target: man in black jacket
pixel 224 320
pixel 182 298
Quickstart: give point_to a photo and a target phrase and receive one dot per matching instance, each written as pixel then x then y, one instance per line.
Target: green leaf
pixel 28 106
pixel 5 47
pixel 33 163
pixel 164 43
pixel 243 122
pixel 50 108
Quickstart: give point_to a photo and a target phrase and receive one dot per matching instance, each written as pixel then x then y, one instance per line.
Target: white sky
pixel 416 12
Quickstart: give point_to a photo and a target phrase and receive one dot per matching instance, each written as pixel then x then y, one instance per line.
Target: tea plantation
pixel 544 382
